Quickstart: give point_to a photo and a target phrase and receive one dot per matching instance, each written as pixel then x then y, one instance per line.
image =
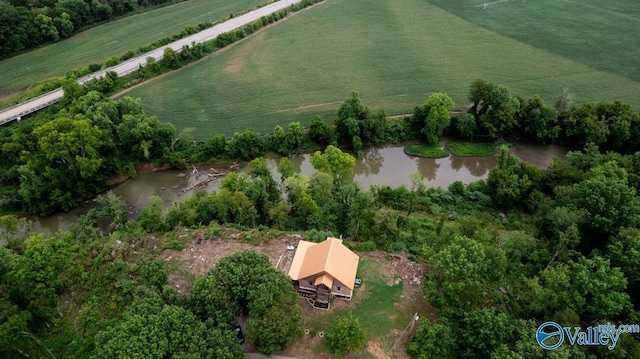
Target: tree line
pixel 92 137
pixel 29 24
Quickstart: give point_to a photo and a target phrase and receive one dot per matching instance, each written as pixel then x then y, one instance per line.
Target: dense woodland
pixel 26 24
pixel 524 246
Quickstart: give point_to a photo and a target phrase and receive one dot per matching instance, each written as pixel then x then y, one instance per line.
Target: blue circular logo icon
pixel 545 334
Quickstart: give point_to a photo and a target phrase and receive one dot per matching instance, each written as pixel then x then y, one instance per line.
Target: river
pixel 387 165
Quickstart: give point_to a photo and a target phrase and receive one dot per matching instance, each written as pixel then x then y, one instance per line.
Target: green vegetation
pixel 593 39
pixel 429 151
pixel 95 45
pixel 377 312
pixel 469 149
pixel 523 247
pixel 346 334
pixel 420 49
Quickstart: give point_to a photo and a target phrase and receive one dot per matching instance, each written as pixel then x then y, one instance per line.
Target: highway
pixel 126 67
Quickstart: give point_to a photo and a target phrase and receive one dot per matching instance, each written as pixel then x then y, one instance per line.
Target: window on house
pixel 339 288
pixel 310 283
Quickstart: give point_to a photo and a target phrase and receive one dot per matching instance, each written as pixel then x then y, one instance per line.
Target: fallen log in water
pixel 204 182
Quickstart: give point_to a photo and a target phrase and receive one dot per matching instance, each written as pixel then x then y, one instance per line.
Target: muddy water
pixel 387 165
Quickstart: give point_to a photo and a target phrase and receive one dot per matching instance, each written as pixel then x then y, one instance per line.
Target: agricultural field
pixel 111 39
pixel 395 53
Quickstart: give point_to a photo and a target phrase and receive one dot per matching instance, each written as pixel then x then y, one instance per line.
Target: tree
pixel 170 58
pixel 64 25
pixel 602 287
pixel 374 129
pixel 514 183
pixel 12 34
pixel 609 202
pixel 112 208
pixel 321 133
pixel 539 122
pixel 153 274
pixel 350 113
pixel 346 334
pixel 335 162
pixel 47 27
pixel 466 126
pixel 501 110
pixel 246 284
pixel 624 253
pixel 285 167
pixel 457 276
pixel 151 329
pixel 245 145
pixel 270 333
pixel 151 218
pixel 433 340
pixel 66 164
pixel 437 116
pixel 479 94
pixel 385 227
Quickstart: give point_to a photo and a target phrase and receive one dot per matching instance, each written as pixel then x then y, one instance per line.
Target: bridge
pixel 20 110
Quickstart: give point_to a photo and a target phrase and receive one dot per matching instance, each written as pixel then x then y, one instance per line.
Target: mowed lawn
pixel 112 39
pixel 395 53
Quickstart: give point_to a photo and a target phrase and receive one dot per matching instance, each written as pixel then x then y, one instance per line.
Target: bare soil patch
pixel 196 259
pixel 235 66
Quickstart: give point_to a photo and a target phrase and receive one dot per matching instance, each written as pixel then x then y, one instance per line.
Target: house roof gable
pixel 328 257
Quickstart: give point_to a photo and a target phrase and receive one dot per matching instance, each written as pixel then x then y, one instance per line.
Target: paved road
pixel 33 105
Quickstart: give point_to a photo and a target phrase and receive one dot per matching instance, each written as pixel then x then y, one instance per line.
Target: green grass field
pixel 112 39
pixel 429 151
pixel 395 53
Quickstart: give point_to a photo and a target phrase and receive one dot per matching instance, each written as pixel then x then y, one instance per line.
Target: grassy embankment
pixel 469 149
pixel 426 150
pixel 395 53
pixel 111 39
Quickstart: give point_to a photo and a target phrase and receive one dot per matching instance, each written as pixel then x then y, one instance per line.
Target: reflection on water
pixel 387 165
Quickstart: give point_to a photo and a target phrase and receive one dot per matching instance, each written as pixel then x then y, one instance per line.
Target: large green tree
pixel 345 335
pixel 67 164
pixel 246 284
pixel 335 162
pixel 433 117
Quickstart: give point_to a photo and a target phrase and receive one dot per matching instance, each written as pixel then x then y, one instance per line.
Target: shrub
pixel 112 61
pixel 366 246
pixel 346 334
pixel 456 188
pixel 315 235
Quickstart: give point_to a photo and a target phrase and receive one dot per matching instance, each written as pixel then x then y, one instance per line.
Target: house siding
pixel 340 290
pixel 307 283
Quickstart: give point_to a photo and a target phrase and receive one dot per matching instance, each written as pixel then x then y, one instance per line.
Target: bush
pixel 456 188
pixel 366 246
pixel 315 235
pixel 346 334
pixel 112 61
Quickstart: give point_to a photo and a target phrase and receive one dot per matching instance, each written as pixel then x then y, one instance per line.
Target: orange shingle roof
pixel 328 257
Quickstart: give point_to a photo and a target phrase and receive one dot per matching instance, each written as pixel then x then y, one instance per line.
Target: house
pixel 324 270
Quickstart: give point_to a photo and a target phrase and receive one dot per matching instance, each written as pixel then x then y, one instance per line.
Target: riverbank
pixel 385 165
